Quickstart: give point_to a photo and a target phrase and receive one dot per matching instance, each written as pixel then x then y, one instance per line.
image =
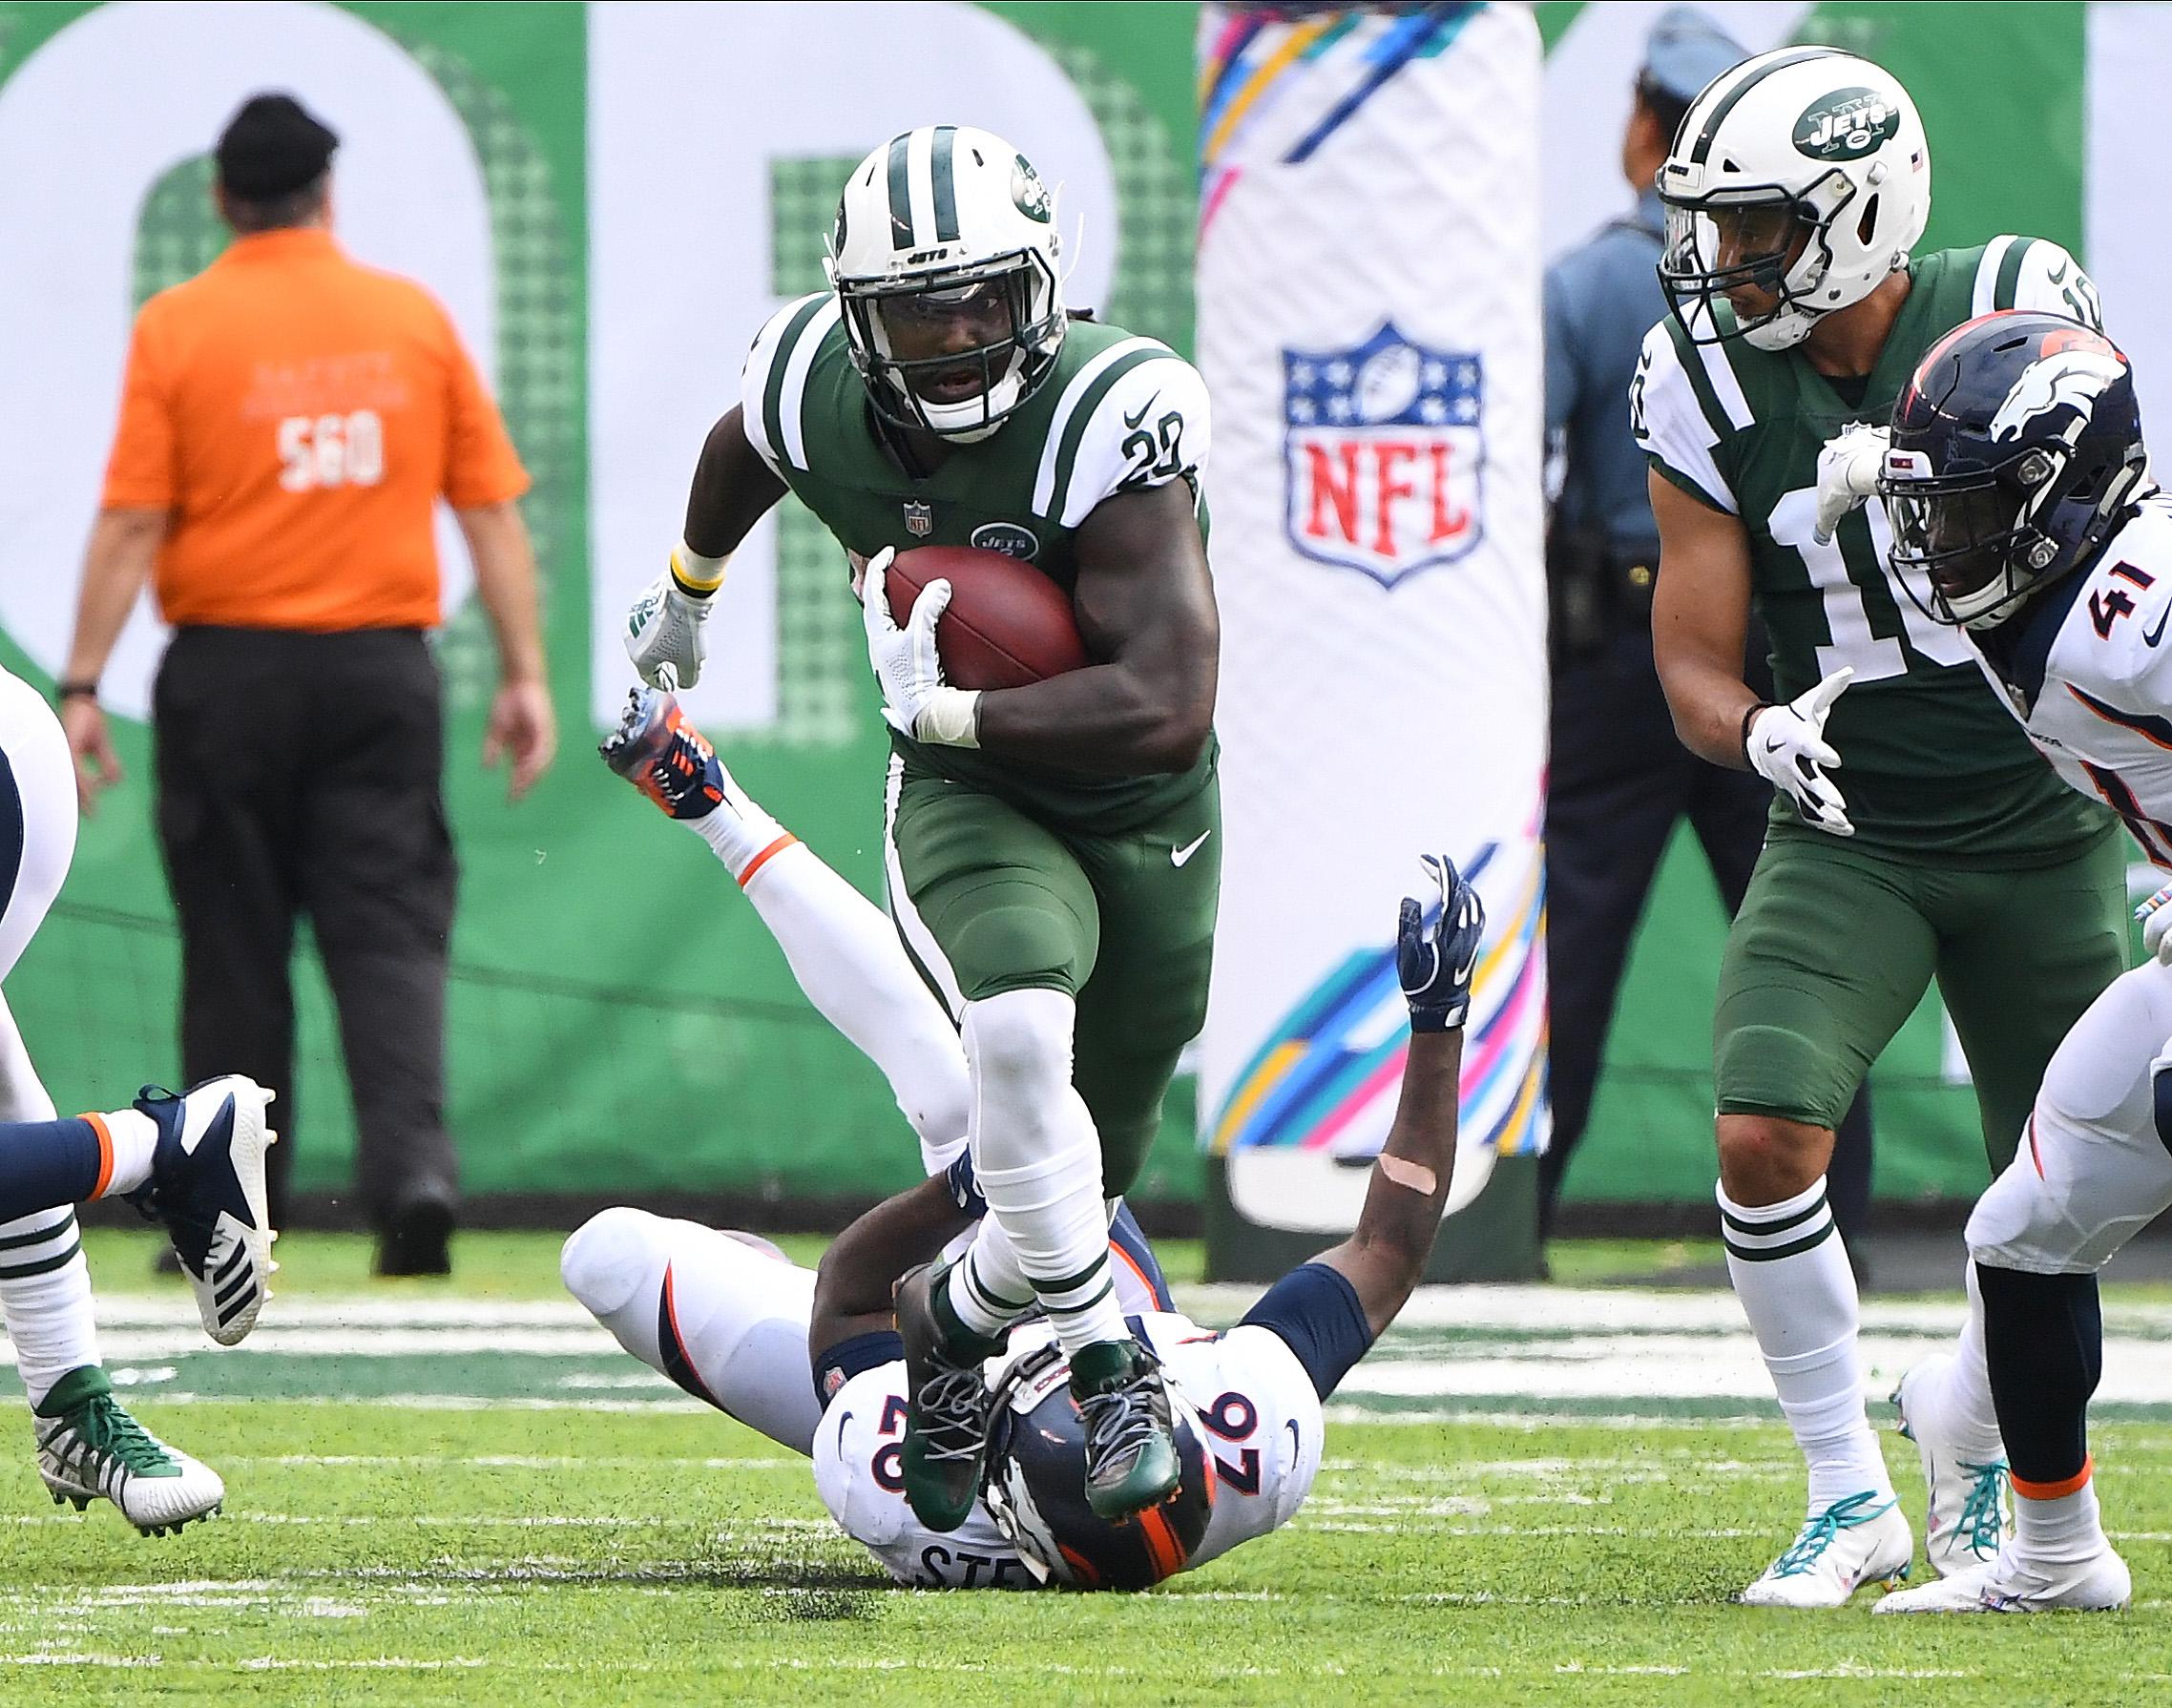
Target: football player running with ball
pixel 1795 191
pixel 1050 849
pixel 2017 486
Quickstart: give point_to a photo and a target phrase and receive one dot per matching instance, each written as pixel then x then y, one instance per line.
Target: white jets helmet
pixel 944 259
pixel 1803 171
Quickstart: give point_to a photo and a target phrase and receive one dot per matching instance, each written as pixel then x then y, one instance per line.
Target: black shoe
pixel 946 1423
pixel 1131 1446
pixel 417 1240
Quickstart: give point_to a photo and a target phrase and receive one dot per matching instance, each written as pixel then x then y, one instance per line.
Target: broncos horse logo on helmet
pixel 2016 446
pixel 1037 1487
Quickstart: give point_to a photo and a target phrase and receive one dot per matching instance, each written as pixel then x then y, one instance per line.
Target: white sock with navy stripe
pixel 45 1284
pixel 1791 1272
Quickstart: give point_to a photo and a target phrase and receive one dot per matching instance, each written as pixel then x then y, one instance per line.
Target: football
pixel 1007 624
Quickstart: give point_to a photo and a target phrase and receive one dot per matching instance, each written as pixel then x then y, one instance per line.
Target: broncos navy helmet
pixel 1037 1487
pixel 2016 445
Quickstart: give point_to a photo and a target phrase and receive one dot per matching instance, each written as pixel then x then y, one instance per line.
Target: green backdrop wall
pixel 619 1019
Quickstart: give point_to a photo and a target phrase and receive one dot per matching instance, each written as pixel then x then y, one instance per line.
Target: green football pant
pixel 1835 944
pixel 989 900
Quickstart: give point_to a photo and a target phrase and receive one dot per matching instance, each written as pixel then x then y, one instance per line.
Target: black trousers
pixel 1617 783
pixel 300 772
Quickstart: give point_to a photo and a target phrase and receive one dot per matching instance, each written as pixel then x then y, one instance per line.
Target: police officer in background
pixel 1619 778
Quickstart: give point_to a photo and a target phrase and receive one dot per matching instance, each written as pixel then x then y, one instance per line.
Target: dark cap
pixel 272 147
pixel 1685 52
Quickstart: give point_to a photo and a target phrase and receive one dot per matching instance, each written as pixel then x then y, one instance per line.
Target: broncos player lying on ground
pixel 817 1366
pixel 1040 838
pixel 2015 482
pixel 1795 191
pixel 195 1163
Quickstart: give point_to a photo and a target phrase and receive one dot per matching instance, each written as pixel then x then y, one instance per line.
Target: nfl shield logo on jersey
pixel 1384 448
pixel 919 518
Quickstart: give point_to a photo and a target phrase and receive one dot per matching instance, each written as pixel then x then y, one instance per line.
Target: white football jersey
pixel 1262 1421
pixel 2102 714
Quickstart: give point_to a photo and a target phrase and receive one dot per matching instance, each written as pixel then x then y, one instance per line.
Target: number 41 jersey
pixel 1932 766
pixel 2087 669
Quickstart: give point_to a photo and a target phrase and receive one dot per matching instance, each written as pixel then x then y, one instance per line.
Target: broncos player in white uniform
pixel 815 1364
pixel 2014 479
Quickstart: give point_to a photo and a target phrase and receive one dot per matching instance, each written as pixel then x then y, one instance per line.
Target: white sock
pixel 740 832
pixel 135 1137
pixel 45 1284
pixel 1791 1272
pixel 2061 1530
pixel 845 954
pixel 1968 1414
pixel 1038 1160
pixel 44 1298
pixel 988 1287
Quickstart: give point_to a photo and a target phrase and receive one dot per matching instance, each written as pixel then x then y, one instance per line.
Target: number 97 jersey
pixel 1933 766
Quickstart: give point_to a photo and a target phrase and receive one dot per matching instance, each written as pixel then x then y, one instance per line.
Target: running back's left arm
pixel 1145 606
pixel 862 1264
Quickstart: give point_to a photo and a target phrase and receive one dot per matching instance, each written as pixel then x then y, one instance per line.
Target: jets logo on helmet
pixel 1797 184
pixel 943 261
pixel 2017 448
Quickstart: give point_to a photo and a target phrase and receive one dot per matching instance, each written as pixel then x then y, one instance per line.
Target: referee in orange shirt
pixel 289 419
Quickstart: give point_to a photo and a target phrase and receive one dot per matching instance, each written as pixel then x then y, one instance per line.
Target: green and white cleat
pixel 1969 1513
pixel 2102 1584
pixel 1852 1542
pixel 89 1448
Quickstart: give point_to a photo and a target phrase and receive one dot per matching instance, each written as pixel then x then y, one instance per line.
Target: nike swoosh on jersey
pixel 2151 637
pixel 1132 421
pixel 1178 856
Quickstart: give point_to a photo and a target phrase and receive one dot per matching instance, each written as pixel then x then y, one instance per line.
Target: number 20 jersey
pixel 1257 1405
pixel 1932 766
pixel 2087 668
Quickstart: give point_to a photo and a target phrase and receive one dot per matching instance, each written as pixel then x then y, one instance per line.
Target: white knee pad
pixel 725 1320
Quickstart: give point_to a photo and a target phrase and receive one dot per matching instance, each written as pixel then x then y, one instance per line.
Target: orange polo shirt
pixel 300 414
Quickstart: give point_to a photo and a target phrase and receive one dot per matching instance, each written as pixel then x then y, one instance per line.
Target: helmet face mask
pixel 1968 539
pixel 1718 249
pixel 944 261
pixel 951 352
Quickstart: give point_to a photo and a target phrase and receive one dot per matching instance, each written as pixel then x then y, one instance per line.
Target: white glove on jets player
pixel 915 702
pixel 664 630
pixel 2156 916
pixel 1848 473
pixel 1787 745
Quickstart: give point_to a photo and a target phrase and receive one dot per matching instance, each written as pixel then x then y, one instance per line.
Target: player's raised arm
pixel 1435 957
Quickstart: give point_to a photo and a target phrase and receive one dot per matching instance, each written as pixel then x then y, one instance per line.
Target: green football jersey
pixel 1931 763
pixel 1118 412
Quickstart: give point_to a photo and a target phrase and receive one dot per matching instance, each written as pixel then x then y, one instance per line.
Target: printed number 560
pixel 316 451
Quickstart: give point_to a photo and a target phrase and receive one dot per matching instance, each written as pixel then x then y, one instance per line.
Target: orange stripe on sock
pixel 105 1154
pixel 2058 1491
pixel 763 857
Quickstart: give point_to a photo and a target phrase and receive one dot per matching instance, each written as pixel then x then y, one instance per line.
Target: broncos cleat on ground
pixel 91 1449
pixel 1862 1539
pixel 207 1186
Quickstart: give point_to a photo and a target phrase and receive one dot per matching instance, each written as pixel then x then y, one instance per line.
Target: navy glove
pixel 1437 951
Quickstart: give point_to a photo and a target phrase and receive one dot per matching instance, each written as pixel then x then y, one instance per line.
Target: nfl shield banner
pixel 1368 327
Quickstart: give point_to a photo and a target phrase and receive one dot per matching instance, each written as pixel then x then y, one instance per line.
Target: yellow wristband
pixel 697 576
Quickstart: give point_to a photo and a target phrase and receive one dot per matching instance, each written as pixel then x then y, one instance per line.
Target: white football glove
pixel 664 634
pixel 2156 916
pixel 915 701
pixel 1849 468
pixel 1787 746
